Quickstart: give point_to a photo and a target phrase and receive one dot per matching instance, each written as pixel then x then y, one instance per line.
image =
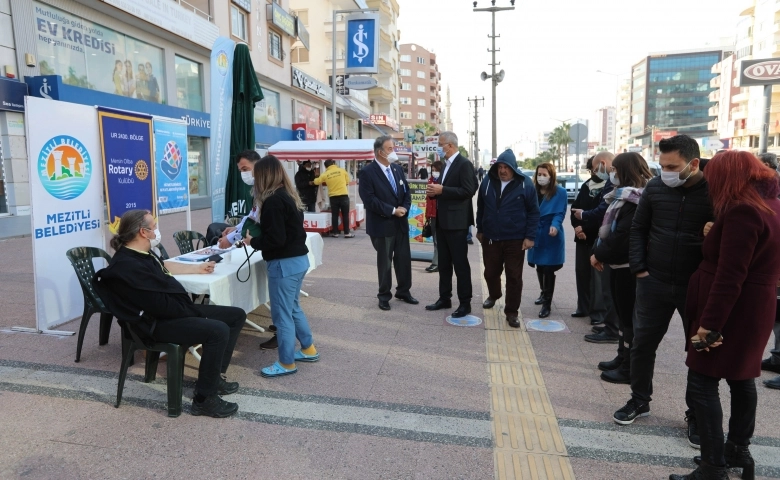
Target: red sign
pixel 299 131
pixel 381 119
pixel 661 135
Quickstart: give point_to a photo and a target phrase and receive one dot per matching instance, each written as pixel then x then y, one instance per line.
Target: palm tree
pixel 560 138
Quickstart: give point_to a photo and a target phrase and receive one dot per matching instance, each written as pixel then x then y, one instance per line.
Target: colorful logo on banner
pixel 417 211
pixel 128 169
pixel 170 140
pixel 64 167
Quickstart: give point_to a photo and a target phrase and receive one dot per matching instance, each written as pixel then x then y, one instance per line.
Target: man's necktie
pixel 392 180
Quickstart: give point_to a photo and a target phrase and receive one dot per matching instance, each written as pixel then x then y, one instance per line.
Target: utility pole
pixel 476 101
pixel 494 78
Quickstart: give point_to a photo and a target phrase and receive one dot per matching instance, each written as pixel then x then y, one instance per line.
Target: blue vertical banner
pixel 172 171
pixel 362 43
pixel 128 163
pixel 221 112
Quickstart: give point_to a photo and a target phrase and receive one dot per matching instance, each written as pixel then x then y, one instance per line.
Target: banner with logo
pixel 128 168
pixel 221 110
pixel 172 172
pixel 362 43
pixel 417 211
pixel 66 197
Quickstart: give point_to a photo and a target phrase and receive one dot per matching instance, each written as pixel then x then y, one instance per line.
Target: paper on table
pixel 201 255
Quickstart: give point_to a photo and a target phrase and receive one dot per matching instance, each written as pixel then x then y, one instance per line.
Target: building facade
pixel 623 125
pixel 603 128
pixel 670 92
pixel 420 97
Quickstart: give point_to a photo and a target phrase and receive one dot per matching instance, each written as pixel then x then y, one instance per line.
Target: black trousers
pixel 582 271
pixel 339 204
pixel 655 304
pixel 310 207
pixel 393 252
pixel 217 332
pixel 623 284
pixel 454 254
pixel 702 395
pixel 496 256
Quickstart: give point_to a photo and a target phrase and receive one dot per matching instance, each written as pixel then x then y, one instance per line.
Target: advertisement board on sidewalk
pixel 417 211
pixel 128 166
pixel 170 148
pixel 66 197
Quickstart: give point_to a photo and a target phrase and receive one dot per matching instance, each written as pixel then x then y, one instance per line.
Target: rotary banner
pixel 128 168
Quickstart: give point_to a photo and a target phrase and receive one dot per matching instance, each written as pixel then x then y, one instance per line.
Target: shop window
pixel 275 45
pixel 238 23
pixel 198 169
pixel 105 60
pixel 189 86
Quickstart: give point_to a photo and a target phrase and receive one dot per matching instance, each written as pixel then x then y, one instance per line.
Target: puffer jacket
pixel 667 231
pixel 509 215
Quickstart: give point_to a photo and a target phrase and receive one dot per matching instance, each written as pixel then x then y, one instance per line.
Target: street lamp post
pixel 495 78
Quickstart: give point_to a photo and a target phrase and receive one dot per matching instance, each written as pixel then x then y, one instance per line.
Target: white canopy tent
pixel 317 150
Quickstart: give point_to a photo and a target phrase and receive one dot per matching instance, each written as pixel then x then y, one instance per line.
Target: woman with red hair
pixel 731 304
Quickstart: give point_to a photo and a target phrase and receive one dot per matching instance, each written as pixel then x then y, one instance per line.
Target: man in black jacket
pixel 387 197
pixel 455 214
pixel 665 250
pixel 304 183
pixel 584 237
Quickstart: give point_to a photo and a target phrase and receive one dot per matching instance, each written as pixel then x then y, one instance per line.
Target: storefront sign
pixel 66 194
pixel 341 89
pixel 12 95
pixel 309 85
pixel 299 131
pixel 172 17
pixel 303 34
pixel 382 119
pixel 663 134
pixel 361 82
pixel 170 148
pixel 764 71
pixel 362 43
pixel 281 19
pixel 128 165
pixel 221 111
pixel 417 211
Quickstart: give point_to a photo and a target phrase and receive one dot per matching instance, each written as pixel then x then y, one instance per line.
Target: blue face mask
pixel 440 152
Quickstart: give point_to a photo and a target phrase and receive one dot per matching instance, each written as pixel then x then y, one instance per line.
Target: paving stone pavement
pixel 397 395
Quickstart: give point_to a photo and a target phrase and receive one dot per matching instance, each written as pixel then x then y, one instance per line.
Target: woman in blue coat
pixel 549 252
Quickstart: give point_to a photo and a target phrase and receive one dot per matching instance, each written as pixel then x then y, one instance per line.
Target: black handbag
pixel 427 231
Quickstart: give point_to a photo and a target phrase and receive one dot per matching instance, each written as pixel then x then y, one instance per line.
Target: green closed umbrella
pixel 246 92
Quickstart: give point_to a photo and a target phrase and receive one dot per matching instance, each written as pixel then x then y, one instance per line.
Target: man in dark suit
pixel 387 198
pixel 453 192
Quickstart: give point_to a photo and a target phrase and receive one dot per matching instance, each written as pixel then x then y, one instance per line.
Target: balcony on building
pixel 714 110
pixel 713 125
pixel 715 82
pixel 714 95
pixel 201 8
pixel 739 113
pixel 740 97
pixel 717 68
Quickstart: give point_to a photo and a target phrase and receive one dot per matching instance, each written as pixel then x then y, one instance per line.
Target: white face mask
pixel 613 178
pixel 393 157
pixel 436 174
pixel 673 180
pixel 542 180
pixel 157 238
pixel 307 168
pixel 248 178
pixel 602 173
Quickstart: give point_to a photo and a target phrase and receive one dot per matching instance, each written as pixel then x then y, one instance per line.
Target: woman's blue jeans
pixel 287 315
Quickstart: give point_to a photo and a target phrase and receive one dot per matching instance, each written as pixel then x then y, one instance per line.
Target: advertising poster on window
pixel 128 169
pixel 417 211
pixel 267 109
pixel 170 156
pixel 66 196
pixel 89 55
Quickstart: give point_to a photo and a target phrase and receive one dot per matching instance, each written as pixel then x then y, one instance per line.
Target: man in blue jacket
pixel 507 220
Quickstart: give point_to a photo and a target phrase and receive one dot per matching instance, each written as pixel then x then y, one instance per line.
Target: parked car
pixel 568 180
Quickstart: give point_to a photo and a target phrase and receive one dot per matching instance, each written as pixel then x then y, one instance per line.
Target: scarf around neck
pixel 616 199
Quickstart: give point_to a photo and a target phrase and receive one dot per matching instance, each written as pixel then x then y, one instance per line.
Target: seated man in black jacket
pixel 139 289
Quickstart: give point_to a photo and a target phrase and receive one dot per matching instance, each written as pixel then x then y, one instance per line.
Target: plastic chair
pixel 175 365
pixel 81 259
pixel 184 239
pixel 163 253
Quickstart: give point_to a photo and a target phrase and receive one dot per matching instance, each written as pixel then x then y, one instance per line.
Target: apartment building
pixel 420 97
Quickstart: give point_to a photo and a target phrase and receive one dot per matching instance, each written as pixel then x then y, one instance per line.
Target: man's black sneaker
pixel 611 365
pixel 602 337
pixel 618 375
pixel 693 432
pixel 632 411
pixel 226 388
pixel 213 406
pixel 269 344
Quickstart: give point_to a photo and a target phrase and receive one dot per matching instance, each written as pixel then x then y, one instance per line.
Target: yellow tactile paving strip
pixel 527 443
